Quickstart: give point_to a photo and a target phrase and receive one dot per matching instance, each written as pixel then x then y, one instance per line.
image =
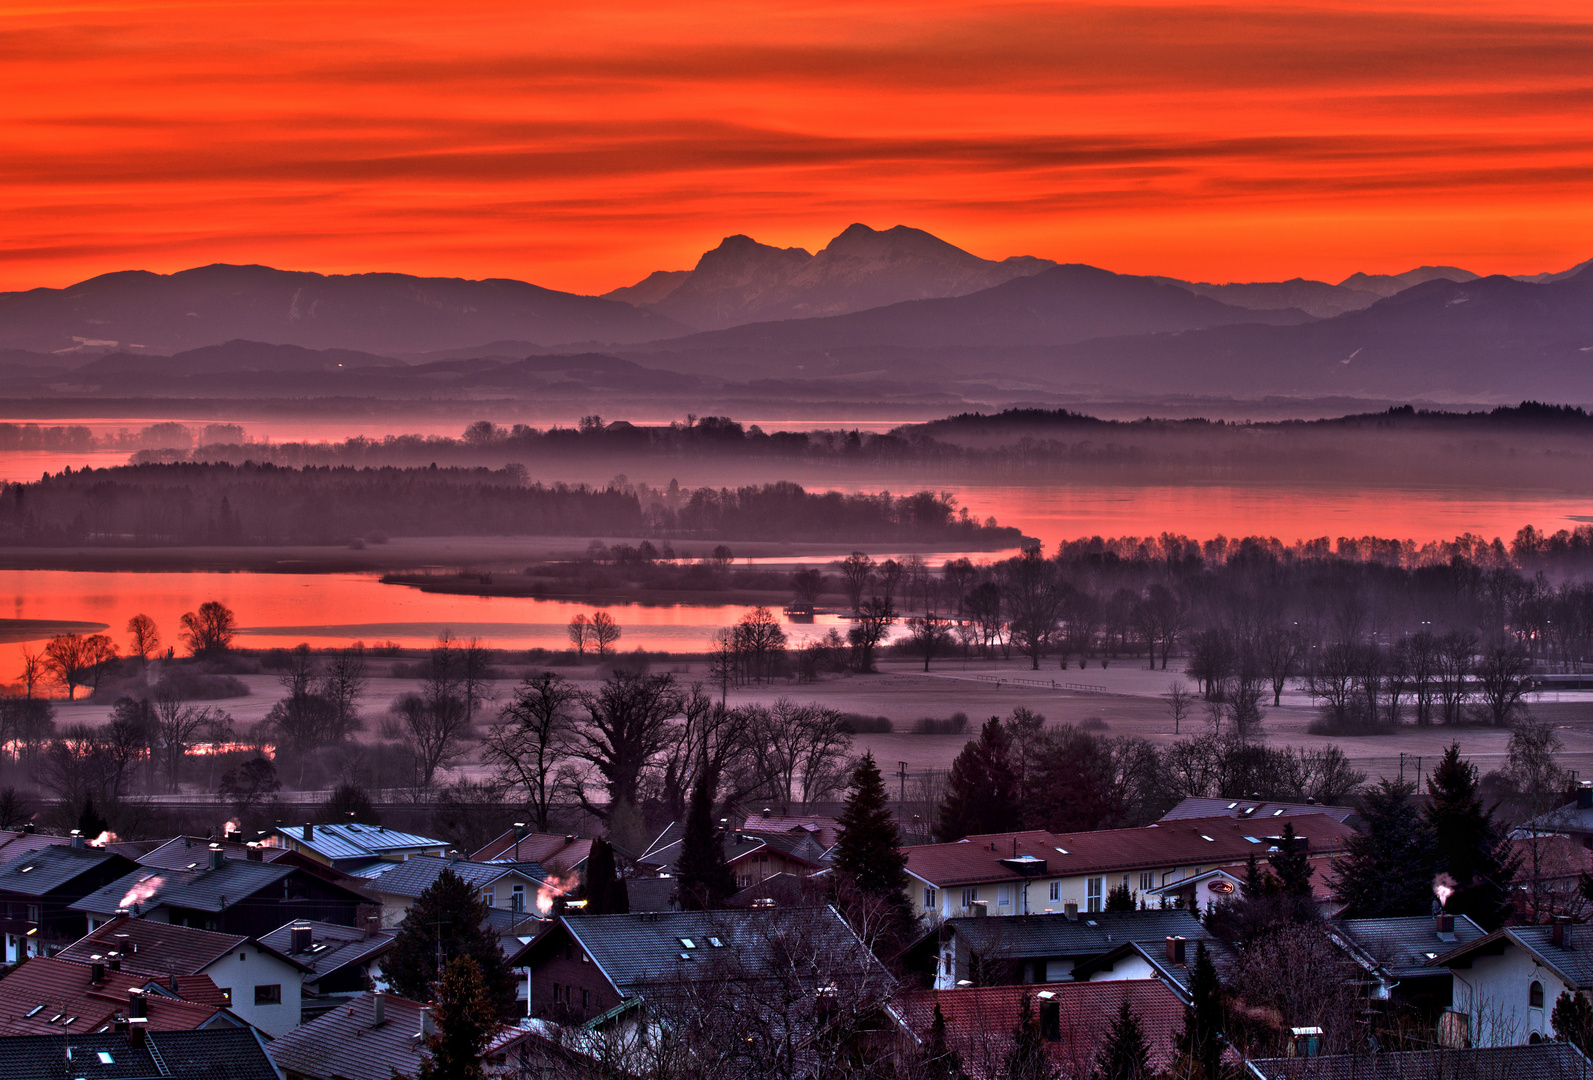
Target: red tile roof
pixel 980 1022
pixel 1189 842
pixel 154 948
pixel 54 990
pixel 554 851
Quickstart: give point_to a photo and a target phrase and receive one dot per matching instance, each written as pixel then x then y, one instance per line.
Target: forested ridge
pixel 262 504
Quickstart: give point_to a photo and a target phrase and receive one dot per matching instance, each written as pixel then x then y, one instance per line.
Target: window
pixel 1125 883
pixel 1535 995
pixel 1092 891
pixel 517 898
pixel 586 1000
pixel 33 913
pixel 1056 890
pixel 929 898
pixel 585 959
pixel 969 897
pixel 489 897
pixel 688 942
pixel 1147 880
pixel 1003 895
pixel 556 993
pixel 268 995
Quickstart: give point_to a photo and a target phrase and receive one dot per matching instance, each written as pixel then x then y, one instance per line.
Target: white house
pixel 1506 983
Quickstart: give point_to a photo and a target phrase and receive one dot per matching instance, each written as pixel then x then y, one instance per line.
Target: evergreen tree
pixel 1573 1020
pixel 982 790
pixel 868 851
pixel 705 878
pixel 1125 1056
pixel 1389 867
pixel 448 918
pixel 1201 1040
pixel 605 889
pixel 1119 898
pixel 1468 844
pixel 90 823
pixel 1258 882
pixel 464 1013
pixel 1027 1059
pixel 1292 864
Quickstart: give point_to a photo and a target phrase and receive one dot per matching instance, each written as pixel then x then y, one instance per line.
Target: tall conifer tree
pixel 1389 867
pixel 1468 845
pixel 868 851
pixel 705 879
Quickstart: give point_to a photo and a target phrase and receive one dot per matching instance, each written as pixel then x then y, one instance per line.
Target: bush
pixel 857 724
pixel 955 724
pixel 1094 723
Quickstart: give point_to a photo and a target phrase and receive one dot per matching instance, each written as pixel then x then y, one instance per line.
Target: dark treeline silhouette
pixel 267 504
pixel 1381 447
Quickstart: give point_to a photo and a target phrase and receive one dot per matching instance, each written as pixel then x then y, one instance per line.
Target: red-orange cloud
pixel 580 149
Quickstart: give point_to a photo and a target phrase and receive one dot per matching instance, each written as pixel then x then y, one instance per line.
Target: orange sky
pixel 581 149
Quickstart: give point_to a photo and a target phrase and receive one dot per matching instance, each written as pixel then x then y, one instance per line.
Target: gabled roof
pixel 635 951
pixel 49 996
pixel 1027 937
pixel 980 1021
pixel 154 948
pixel 1537 1061
pixel 347 1043
pixel 339 842
pixel 332 947
pixel 15 842
pixel 45 870
pixel 1190 841
pixel 201 890
pixel 1405 947
pixel 559 853
pixel 824 830
pixel 799 847
pixel 193 852
pixel 214 1053
pixel 1573 962
pixel 1253 809
pixel 1177 976
pixel 414 875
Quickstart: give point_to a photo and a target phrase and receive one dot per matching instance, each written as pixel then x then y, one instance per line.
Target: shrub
pixel 866 725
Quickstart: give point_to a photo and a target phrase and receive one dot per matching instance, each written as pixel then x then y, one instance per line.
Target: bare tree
pixel 806 585
pixel 532 736
pixel 1179 702
pixel 857 569
pixel 67 658
pixel 33 672
pixel 178 723
pixel 1455 659
pixel 626 726
pixel 580 631
pixel 930 636
pixel 605 632
pixel 800 750
pixel 144 638
pixel 1502 682
pixel 210 629
pixel 1280 649
pixel 1034 603
pixel 343 682
pixel 868 629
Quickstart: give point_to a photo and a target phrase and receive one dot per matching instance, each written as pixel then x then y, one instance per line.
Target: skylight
pixel 685 956
pixel 106 1059
pixel 716 943
pixel 688 942
pixel 35 1011
pixel 1252 839
pixel 1208 839
pixel 1064 850
pixel 1232 805
pixel 1278 812
pixel 25 869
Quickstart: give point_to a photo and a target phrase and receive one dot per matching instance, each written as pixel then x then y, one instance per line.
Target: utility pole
pixel 901 771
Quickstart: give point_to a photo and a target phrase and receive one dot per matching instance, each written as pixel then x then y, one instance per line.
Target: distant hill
pixel 231 357
pixel 137 311
pixel 1057 306
pixel 1312 297
pixel 743 281
pixel 1389 284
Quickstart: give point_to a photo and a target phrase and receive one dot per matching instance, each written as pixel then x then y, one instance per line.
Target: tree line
pixel 266 504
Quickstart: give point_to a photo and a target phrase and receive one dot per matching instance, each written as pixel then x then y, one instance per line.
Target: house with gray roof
pixel 336 963
pixel 229 896
pixel 982 951
pixel 352 846
pixel 212 1053
pixel 1398 954
pixel 1505 983
pixel 512 887
pixel 1195 806
pixel 39 890
pixel 752 857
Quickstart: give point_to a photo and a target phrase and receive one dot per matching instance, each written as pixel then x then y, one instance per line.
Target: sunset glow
pixel 582 148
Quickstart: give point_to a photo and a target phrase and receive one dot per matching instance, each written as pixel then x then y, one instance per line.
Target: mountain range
pixel 897 306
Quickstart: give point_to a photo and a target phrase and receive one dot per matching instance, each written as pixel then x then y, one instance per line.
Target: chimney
pixel 980 908
pixel 300 938
pixel 1446 927
pixel 428 1023
pixel 115 961
pixel 217 857
pixel 135 1031
pixel 77 840
pixel 97 970
pixel 1071 909
pixel 378 1009
pixel 1175 950
pixel 135 1005
pixel 309 832
pixel 1560 932
pixel 1584 796
pixel 255 854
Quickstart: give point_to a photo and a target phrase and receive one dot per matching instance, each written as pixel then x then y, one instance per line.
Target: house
pixel 1397 954
pixel 752 857
pixel 1025 873
pixel 15 842
pixel 1044 948
pixel 230 896
pixel 560 854
pixel 375 1036
pixel 214 1053
pixel 1538 1061
pixel 1194 806
pixel 585 967
pixel 38 891
pixel 1505 983
pixel 1073 1019
pixel 350 847
pixel 824 829
pixel 1574 819
pixel 49 996
pixel 336 962
pixel 514 887
pixel 258 981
